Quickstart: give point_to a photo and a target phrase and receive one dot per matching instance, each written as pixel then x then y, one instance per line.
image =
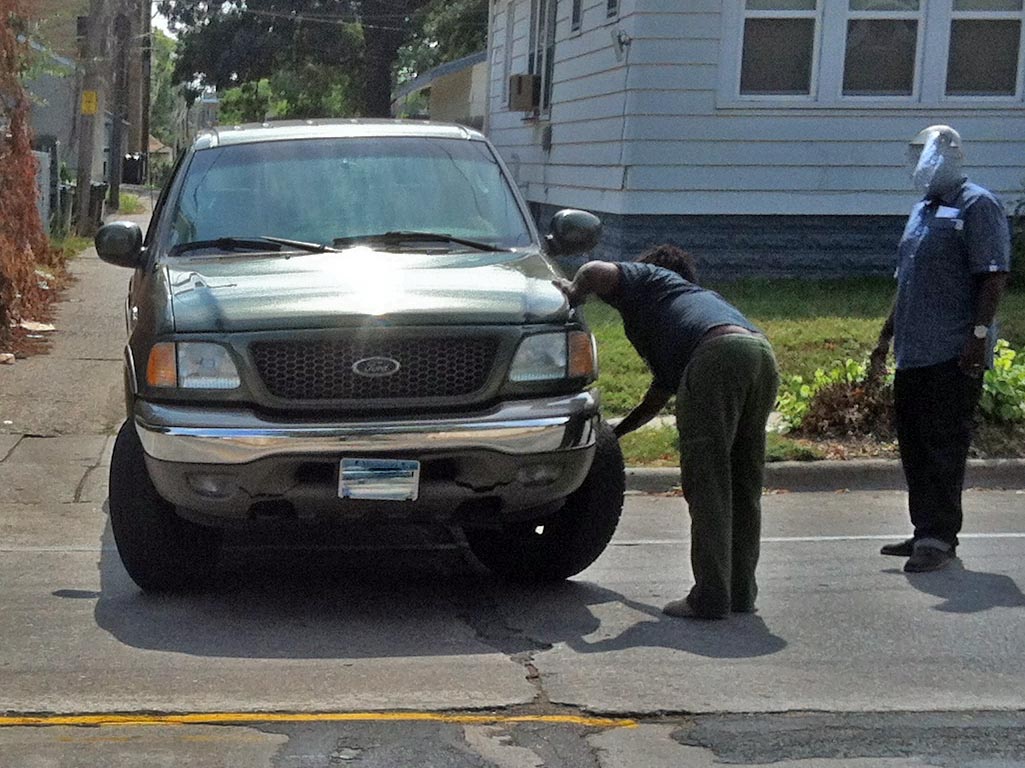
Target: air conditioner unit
pixel 524 93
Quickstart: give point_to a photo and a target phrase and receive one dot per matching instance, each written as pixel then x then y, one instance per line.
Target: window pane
pixel 987 5
pixel 880 57
pixel 777 56
pixel 576 13
pixel 781 5
pixel 993 74
pixel 884 5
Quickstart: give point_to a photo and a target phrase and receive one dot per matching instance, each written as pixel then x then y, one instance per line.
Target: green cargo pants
pixel 725 397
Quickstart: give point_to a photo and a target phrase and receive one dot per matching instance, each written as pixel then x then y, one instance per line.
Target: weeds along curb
pixel 854 475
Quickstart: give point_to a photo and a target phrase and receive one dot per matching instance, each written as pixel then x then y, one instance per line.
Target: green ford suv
pixel 355 322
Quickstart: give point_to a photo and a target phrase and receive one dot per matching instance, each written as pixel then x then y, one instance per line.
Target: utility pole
pixel 122 42
pixel 146 10
pixel 92 46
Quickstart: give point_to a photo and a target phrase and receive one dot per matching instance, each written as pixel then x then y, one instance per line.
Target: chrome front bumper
pixel 191 435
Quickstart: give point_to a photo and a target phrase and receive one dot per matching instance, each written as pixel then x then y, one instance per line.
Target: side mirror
pixel 120 243
pixel 573 232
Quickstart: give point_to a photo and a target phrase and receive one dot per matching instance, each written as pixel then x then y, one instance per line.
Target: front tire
pixel 161 551
pixel 560 545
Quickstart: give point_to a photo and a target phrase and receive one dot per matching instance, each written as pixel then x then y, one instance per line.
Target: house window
pixel 510 29
pixel 832 52
pixel 881 49
pixel 778 47
pixel 612 8
pixel 542 51
pixel 576 15
pixel 985 48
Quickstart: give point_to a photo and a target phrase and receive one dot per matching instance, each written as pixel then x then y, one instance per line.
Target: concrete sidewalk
pixel 75 389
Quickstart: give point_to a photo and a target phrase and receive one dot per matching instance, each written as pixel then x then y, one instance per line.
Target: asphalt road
pixel 391 647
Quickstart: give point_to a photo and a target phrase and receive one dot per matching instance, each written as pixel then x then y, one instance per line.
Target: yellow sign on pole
pixel 90 102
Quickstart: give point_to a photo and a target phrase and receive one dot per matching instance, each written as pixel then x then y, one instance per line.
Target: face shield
pixel 934 160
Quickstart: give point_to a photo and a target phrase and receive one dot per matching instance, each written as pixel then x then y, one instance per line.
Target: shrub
pixel 1003 387
pixel 839 401
pixel 797 395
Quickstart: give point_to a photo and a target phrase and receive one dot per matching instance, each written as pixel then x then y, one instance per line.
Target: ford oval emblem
pixel 375 367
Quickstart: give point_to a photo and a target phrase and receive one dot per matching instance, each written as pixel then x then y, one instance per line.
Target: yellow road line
pixel 239 718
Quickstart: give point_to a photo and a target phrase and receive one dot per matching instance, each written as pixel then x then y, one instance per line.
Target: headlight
pixel 547 356
pixel 191 365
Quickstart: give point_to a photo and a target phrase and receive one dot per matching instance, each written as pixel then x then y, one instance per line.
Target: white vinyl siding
pixel 584 167
pixel 654 132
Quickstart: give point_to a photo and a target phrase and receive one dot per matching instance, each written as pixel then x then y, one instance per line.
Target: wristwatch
pixel 980 331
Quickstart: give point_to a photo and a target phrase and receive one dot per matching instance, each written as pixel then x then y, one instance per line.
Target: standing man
pixel 724 375
pixel 952 266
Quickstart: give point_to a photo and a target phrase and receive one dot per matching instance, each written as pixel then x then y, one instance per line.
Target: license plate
pixel 379 479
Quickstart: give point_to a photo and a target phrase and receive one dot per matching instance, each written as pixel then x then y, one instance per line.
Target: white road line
pixel 813 539
pixel 615 543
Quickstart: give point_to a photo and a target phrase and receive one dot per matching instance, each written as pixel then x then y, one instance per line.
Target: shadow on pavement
pixel 318 596
pixel 965 591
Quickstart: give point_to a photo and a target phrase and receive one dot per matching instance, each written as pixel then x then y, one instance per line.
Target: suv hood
pixel 246 292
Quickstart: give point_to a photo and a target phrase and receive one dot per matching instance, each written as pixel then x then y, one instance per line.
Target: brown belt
pixel 726 330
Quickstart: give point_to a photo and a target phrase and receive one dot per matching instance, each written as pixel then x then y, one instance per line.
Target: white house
pixel 766 136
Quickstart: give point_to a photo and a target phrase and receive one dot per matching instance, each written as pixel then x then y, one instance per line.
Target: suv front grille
pixel 428 367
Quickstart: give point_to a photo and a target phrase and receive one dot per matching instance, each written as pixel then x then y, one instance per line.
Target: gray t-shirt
pixel 947 244
pixel 665 316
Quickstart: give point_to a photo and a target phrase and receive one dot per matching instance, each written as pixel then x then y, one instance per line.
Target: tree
pixel 225 43
pixel 23 243
pixel 162 93
pixel 445 30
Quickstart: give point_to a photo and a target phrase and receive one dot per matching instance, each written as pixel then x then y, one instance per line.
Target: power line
pixel 336 20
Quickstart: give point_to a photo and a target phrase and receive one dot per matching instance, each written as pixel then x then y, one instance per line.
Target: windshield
pixel 322 190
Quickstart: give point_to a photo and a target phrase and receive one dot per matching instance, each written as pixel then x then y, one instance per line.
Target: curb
pixel 855 475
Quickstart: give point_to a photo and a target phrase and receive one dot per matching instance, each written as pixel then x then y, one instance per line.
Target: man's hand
pixel 877 361
pixel 973 357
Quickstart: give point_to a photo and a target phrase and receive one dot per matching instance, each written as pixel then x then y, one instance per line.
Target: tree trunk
pixel 382 50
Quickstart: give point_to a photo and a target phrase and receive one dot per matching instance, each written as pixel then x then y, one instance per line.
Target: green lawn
pixel 811 324
pixel 658 447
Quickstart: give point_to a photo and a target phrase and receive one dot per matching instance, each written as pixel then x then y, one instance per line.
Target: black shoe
pixel 900 549
pixel 928 559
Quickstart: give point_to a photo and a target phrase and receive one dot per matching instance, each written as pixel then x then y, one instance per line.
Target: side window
pixel 161 203
pixel 576 15
pixel 611 8
pixel 542 50
pixel 510 36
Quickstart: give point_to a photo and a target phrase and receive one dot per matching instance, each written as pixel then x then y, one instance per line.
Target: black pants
pixel 935 419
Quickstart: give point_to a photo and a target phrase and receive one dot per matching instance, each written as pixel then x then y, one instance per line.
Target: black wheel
pixel 161 551
pixel 562 544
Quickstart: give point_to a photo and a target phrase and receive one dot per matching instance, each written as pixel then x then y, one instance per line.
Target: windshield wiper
pixel 300 245
pixel 428 237
pixel 261 244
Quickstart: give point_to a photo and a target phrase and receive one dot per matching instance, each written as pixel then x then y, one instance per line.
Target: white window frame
pixel 1019 86
pixel 738 56
pixel 929 83
pixel 544 17
pixel 576 16
pixel 836 39
pixel 507 54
